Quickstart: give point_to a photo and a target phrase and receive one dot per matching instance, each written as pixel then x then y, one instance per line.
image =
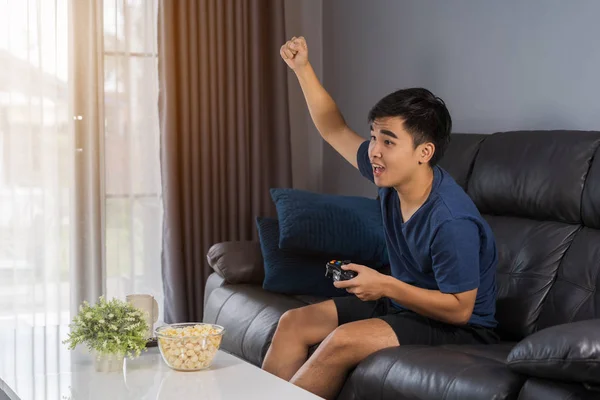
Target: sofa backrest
pixel 540 193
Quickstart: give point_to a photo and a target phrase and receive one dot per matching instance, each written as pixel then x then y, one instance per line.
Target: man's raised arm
pixel 323 110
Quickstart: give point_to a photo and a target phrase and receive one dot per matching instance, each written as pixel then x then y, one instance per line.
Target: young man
pixel 442 288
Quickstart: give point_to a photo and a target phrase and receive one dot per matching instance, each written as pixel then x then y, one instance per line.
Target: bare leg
pixel 325 372
pixel 298 329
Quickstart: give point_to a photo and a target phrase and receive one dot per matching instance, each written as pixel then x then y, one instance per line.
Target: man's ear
pixel 426 151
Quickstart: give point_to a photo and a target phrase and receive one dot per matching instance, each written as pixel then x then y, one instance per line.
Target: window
pixel 37 151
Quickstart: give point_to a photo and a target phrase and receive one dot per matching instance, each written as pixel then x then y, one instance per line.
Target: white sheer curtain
pixel 133 186
pixel 40 183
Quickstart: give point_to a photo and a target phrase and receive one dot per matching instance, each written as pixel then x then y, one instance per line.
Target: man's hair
pixel 425 117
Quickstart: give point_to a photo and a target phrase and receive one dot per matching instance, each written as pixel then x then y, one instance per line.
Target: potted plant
pixel 111 330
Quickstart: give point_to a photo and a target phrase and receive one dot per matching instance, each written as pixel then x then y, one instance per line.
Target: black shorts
pixel 410 327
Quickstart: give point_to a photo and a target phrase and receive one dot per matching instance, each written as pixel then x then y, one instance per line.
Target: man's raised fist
pixel 295 53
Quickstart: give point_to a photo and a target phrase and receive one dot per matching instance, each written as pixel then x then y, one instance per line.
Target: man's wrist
pixel 301 72
pixel 389 284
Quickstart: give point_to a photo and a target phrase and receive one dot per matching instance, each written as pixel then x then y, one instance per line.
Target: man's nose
pixel 375 150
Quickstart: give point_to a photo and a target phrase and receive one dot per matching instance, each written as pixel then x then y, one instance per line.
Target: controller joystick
pixel 334 270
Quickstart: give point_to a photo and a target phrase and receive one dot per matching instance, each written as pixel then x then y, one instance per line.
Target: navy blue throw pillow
pixel 341 227
pixel 292 273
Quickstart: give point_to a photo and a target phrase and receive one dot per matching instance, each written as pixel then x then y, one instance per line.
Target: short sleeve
pixel 455 256
pixel 362 159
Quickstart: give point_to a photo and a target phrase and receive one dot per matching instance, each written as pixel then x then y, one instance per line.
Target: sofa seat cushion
pixel 442 372
pixel 536 388
pixel 249 315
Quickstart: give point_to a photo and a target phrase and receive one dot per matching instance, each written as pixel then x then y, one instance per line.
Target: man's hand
pixel 295 53
pixel 367 285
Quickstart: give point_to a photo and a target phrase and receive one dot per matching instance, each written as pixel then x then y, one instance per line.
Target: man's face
pixel 391 152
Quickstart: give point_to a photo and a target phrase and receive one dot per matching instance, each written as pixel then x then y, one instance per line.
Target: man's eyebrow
pixel 384 132
pixel 389 133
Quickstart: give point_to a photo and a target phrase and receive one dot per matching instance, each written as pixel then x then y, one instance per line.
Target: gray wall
pixel 304 18
pixel 499 65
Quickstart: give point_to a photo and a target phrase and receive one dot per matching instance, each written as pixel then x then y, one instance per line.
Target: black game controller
pixel 334 270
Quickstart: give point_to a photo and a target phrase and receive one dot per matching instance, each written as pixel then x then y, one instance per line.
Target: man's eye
pixel 387 142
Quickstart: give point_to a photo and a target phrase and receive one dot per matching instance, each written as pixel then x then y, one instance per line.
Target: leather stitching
pixel 458 374
pixel 207 298
pixel 591 292
pixel 555 278
pixel 567 240
pixel 416 350
pixel 576 310
pixel 473 354
pixel 578 286
pixel 571 396
pixel 524 275
pixel 513 265
pixel 222 305
pixel 472 164
pixel 587 174
pixel 386 375
pixel 543 361
pixel 248 327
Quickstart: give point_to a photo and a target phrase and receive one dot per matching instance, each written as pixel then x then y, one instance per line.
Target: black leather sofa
pixel 540 192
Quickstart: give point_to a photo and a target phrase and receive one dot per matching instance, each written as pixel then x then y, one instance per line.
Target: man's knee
pixel 288 320
pixel 308 324
pixel 292 320
pixel 350 343
pixel 340 340
pixel 305 321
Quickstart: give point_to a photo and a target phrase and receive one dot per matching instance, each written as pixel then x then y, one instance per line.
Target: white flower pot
pixel 109 362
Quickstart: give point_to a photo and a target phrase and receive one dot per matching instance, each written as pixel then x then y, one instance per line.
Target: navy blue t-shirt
pixel 445 245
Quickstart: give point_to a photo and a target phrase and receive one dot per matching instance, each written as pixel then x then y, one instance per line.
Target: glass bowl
pixel 190 346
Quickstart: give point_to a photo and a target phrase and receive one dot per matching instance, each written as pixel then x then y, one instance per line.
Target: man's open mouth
pixel 378 169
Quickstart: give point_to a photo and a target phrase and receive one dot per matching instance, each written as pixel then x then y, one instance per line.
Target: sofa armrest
pixel 237 261
pixel 568 352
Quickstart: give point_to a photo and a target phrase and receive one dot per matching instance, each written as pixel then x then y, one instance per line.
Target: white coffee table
pixel 35 365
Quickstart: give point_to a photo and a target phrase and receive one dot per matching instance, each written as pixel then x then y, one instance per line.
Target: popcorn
pixel 190 347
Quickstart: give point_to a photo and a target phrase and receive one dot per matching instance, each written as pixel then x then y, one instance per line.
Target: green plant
pixel 109 327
